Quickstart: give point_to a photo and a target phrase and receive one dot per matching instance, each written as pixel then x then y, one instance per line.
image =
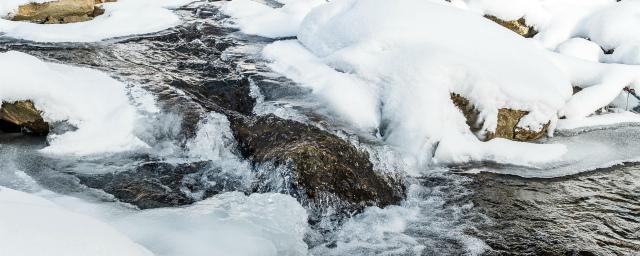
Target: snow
pixel 582 49
pixel 97 105
pixel 260 19
pixel 388 67
pixel 121 18
pixel 361 58
pixel 228 224
pixel 33 226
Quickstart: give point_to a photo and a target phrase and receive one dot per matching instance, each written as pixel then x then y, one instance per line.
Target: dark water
pixel 594 213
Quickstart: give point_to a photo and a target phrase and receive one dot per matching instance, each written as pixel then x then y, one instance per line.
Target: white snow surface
pixel 260 19
pixel 96 104
pixel 33 226
pixel 389 67
pixel 121 18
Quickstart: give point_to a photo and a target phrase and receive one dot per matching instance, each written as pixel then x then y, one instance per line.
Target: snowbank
pixel 94 103
pixel 390 66
pixel 259 19
pixel 33 226
pixel 121 18
pixel 363 59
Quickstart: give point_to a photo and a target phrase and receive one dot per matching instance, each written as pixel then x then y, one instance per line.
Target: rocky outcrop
pixel 60 11
pixel 519 26
pixel 24 116
pixel 321 170
pixel 508 120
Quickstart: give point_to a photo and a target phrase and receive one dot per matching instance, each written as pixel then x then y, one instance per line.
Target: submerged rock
pixel 161 184
pixel 60 11
pixel 324 172
pixel 508 120
pixel 519 26
pixel 24 115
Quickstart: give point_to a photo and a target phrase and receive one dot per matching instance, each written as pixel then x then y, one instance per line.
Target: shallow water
pixel 447 211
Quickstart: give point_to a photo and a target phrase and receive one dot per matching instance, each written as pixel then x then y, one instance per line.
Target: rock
pixel 324 172
pixel 160 184
pixel 24 114
pixel 60 11
pixel 519 26
pixel 508 120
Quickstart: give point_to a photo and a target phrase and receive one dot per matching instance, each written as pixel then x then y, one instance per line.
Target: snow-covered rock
pixel 120 19
pixel 97 105
pixel 391 66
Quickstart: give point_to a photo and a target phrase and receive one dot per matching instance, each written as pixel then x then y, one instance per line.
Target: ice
pixel 97 105
pixel 589 148
pixel 229 224
pixel 121 18
pixel 599 121
pixel 33 226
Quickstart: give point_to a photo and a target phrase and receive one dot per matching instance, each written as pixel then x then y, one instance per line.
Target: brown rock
pixel 519 26
pixel 55 11
pixel 25 115
pixel 508 120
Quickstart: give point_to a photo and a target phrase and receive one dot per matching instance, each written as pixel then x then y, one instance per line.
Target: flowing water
pixel 470 210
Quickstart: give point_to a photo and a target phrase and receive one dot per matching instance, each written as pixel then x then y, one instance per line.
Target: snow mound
pixel 33 226
pixel 260 19
pixel 379 71
pixel 97 105
pixel 121 18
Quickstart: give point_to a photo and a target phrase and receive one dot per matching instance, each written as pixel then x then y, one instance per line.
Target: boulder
pixel 60 11
pixel 23 114
pixel 519 26
pixel 324 172
pixel 508 120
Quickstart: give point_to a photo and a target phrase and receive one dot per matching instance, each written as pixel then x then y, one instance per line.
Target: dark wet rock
pixel 23 116
pixel 231 94
pixel 160 184
pixel 318 168
pixel 519 26
pixel 507 126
